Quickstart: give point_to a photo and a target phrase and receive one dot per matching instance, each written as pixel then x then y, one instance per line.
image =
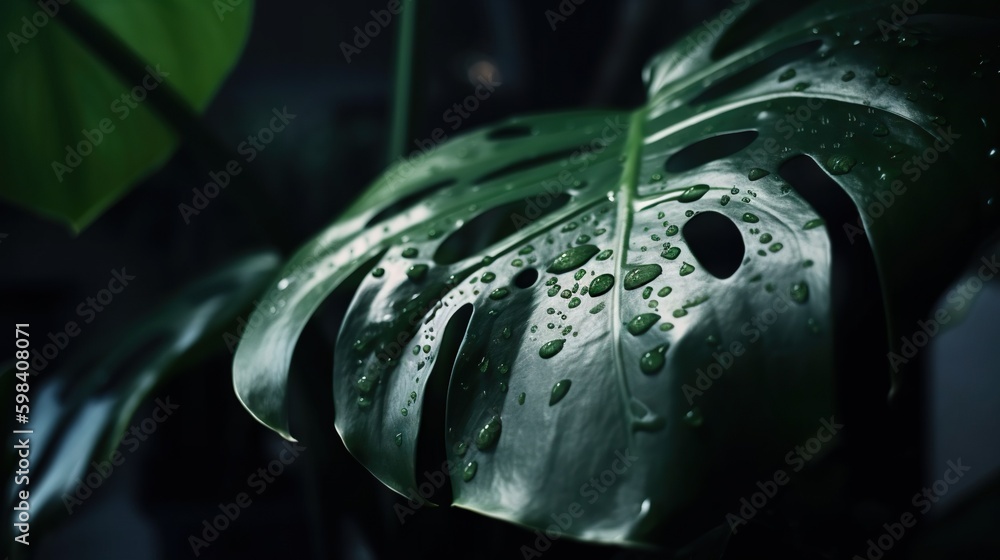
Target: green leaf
pixel 643 341
pixel 81 412
pixel 56 95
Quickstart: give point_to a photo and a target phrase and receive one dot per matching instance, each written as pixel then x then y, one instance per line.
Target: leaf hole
pixel 756 71
pixel 495 225
pixel 432 435
pixel 525 165
pixel 408 201
pixel 709 149
pixel 510 132
pixel 762 15
pixel 715 242
pixel 526 278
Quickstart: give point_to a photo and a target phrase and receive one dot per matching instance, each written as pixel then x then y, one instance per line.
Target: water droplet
pixel 640 276
pixel 694 417
pixel 484 364
pixel 499 293
pixel 880 131
pixel 811 224
pixel 469 471
pixel 693 193
pixel 787 75
pixel 848 76
pixel 766 238
pixel 597 308
pixel 757 173
pixel 604 255
pixel 489 434
pixel 652 362
pixel 488 277
pixel 840 165
pixel 678 313
pixel 559 391
pixel 601 285
pixel 520 399
pixel 410 252
pixel 686 269
pixel 672 230
pixel 801 86
pixel 460 449
pixel 403 411
pixel 671 253
pixel 365 383
pixel 750 218
pixel 573 258
pixel 526 250
pixel 799 292
pixel 417 272
pixel 551 348
pixel 574 303
pixel 364 402
pixel 399 439
pixel 642 323
pixel 664 291
pixel 774 248
pixel 724 200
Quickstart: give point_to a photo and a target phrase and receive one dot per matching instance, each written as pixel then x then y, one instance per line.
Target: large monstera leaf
pixel 650 291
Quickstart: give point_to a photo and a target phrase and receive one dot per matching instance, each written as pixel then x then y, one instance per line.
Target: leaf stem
pixel 403 100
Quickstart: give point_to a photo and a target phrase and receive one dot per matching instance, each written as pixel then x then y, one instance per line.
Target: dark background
pixel 325 505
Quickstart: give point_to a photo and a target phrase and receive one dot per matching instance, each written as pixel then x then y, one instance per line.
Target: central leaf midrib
pixel 626 194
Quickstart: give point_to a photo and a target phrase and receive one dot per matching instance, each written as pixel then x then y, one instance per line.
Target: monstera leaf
pixel 644 298
pixel 86 133
pixel 84 410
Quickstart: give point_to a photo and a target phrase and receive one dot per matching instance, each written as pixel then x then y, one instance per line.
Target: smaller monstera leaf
pixel 79 136
pixel 644 298
pixel 81 412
